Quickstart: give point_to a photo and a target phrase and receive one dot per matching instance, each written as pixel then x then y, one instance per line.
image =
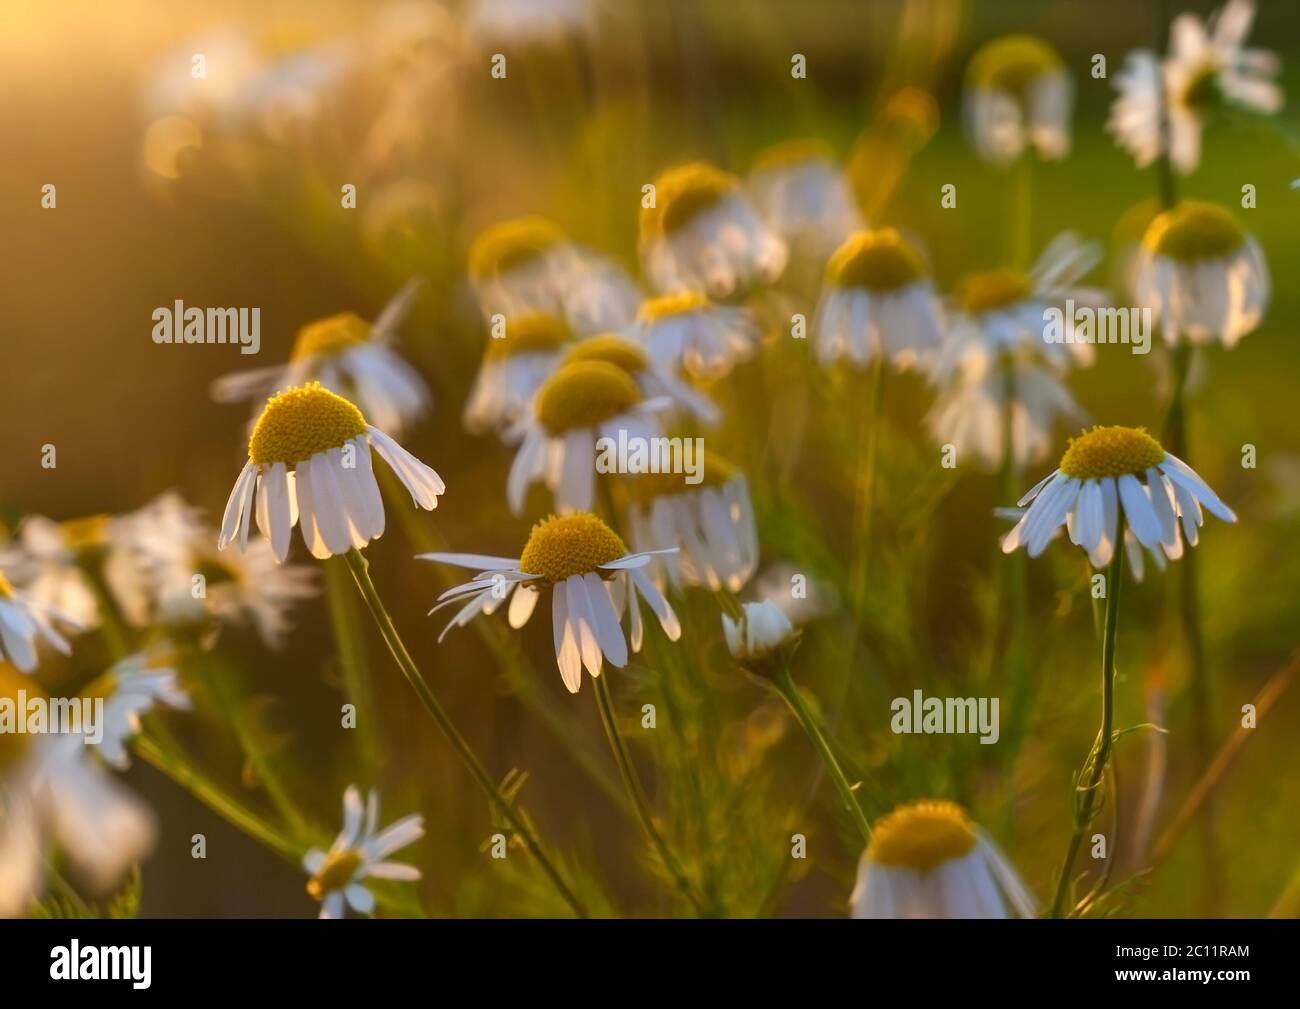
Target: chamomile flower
pixel 653 380
pixel 1203 276
pixel 1114 474
pixel 761 632
pixel 930 860
pixel 591 577
pixel 1018 97
pixel 131 688
pixel 877 301
pixel 351 357
pixel 703 234
pixel 1204 66
pixel 580 403
pixel 309 465
pixel 24 621
pixel 689 332
pixel 711 524
pixel 514 367
pixel 360 852
pixel 804 197
pixel 1134 554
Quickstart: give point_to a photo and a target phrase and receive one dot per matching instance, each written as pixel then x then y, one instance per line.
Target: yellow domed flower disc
pixel 533 333
pixel 335 873
pixel 509 244
pixel 922 836
pixel 327 337
pixel 614 349
pixel 86 535
pixel 585 394
pixel 681 194
pixel 1201 92
pixel 665 306
pixel 876 260
pixel 1012 63
pixel 789 153
pixel 567 545
pixel 993 289
pixel 715 471
pixel 1111 451
pixel 1194 230
pixel 298 423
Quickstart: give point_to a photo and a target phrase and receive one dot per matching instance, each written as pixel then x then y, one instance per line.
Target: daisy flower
pixel 359 853
pixel 1203 67
pixel 309 465
pixel 513 369
pixel 801 597
pixel 351 357
pixel 877 300
pixel 804 197
pixel 1111 475
pixel 686 331
pixel 711 524
pixel 1134 554
pixel 578 405
pixel 1018 97
pixel 702 233
pixel 591 576
pixel 131 688
pixel 22 622
pixel 761 631
pixel 930 860
pixel 1203 276
pixel 653 380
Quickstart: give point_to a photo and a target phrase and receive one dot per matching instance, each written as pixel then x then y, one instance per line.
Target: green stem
pixel 632 783
pixel 355 661
pixel 1022 238
pixel 790 692
pixel 1095 766
pixel 361 572
pixel 865 487
pixel 1020 683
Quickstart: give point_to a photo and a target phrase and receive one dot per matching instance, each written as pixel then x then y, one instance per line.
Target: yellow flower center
pixel 510 244
pixel 327 337
pixel 298 423
pixel 794 152
pixel 1111 451
pixel 611 348
pixel 993 289
pixel 585 394
pixel 876 260
pixel 1012 63
pixel 644 487
pixel 922 836
pixel 1201 92
pixel 335 874
pixel 682 193
pixel 534 333
pixel 657 309
pixel 85 535
pixel 1194 230
pixel 6 587
pixel 567 545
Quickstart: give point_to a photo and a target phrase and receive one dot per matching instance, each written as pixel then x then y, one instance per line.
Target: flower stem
pixel 865 486
pixel 1095 766
pixel 632 783
pixel 785 683
pixel 361 572
pixel 354 660
pixel 1017 666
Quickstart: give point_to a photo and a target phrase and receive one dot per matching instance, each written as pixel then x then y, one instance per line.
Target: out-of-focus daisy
pixel 309 465
pixel 1134 554
pixel 1204 67
pixel 1111 474
pixel 347 355
pixel 759 634
pixel 877 301
pixel 291 97
pixel 579 404
pixel 231 64
pixel 527 265
pixel 653 380
pixel 591 577
pixel 1203 276
pixel 1018 97
pixel 130 689
pixel 513 369
pixel 22 623
pixel 804 197
pixel 711 524
pixel 802 597
pixel 930 860
pixel 703 234
pixel 360 852
pixel 687 331
pixel 53 561
pixel 528 22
